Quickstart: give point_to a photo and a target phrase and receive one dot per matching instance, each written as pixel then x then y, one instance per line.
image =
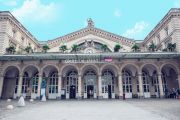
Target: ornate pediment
pixel 90 29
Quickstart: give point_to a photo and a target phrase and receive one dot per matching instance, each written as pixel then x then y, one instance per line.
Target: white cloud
pixel 36 11
pixel 138 29
pixel 9 2
pixel 177 3
pixel 117 13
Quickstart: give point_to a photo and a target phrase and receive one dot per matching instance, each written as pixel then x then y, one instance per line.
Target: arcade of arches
pixel 88 81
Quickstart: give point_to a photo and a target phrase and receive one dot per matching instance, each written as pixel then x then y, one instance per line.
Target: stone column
pixel 59 85
pixel 20 85
pixel 1 84
pixel 141 92
pixel 79 87
pixel 161 93
pixel 99 87
pixel 39 85
pixel 120 86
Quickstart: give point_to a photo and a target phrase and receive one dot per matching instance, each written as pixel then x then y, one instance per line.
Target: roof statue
pixel 90 22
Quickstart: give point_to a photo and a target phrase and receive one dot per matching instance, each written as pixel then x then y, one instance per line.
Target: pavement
pixel 132 109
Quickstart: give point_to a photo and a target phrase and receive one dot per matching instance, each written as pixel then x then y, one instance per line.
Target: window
pixel 14 33
pixel 145 79
pixel 166 31
pixel 127 82
pixel 155 82
pixel 53 83
pixel 25 83
pixel 35 83
pixel 16 87
pixel 71 80
pixel 107 79
pixel 164 80
pixel 158 38
pixel 89 79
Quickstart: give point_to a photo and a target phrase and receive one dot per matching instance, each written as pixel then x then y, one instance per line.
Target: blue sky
pixel 49 19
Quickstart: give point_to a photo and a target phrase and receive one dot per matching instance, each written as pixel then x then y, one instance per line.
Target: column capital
pixel 99 75
pixel 59 75
pixel 139 74
pixel 159 74
pixel 119 74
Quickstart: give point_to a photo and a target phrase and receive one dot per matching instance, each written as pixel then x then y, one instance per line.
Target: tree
pixel 117 47
pixel 171 47
pixel 135 48
pixel 75 47
pixel 152 47
pixel 11 49
pixel 45 48
pixel 63 48
pixel 28 49
pixel 104 47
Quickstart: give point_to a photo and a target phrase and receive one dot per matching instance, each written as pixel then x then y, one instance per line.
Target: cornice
pixel 172 13
pixel 7 15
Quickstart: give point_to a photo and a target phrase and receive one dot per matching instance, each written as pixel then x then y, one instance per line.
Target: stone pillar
pixel 120 86
pixel 79 87
pixel 99 87
pixel 161 93
pixel 39 85
pixel 20 85
pixel 1 84
pixel 141 92
pixel 59 85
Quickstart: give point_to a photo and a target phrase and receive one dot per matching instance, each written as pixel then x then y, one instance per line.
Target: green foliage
pixel 117 47
pixel 104 47
pixel 171 47
pixel 152 47
pixel 75 47
pixel 135 48
pixel 28 49
pixel 63 48
pixel 45 48
pixel 11 49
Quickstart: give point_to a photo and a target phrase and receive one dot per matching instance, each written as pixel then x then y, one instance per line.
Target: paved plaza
pixel 134 109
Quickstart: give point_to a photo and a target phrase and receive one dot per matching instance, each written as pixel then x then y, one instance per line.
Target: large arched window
pixel 25 82
pixel 35 79
pixel 127 81
pixel 107 79
pixel 72 80
pixel 155 81
pixel 53 83
pixel 90 77
pixel 145 79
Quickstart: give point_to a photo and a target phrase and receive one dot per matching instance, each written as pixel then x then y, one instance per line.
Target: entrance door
pixel 90 91
pixel 72 94
pixel 109 92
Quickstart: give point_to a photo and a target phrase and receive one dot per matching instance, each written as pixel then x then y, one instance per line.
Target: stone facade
pixel 109 77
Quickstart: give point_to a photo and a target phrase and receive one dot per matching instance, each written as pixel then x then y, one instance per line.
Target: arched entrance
pixel 10 86
pixel 130 80
pixel 90 79
pixel 169 79
pixel 50 80
pixel 71 84
pixel 145 82
pixel 108 84
pixel 150 80
pixel 127 83
pixel 30 82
